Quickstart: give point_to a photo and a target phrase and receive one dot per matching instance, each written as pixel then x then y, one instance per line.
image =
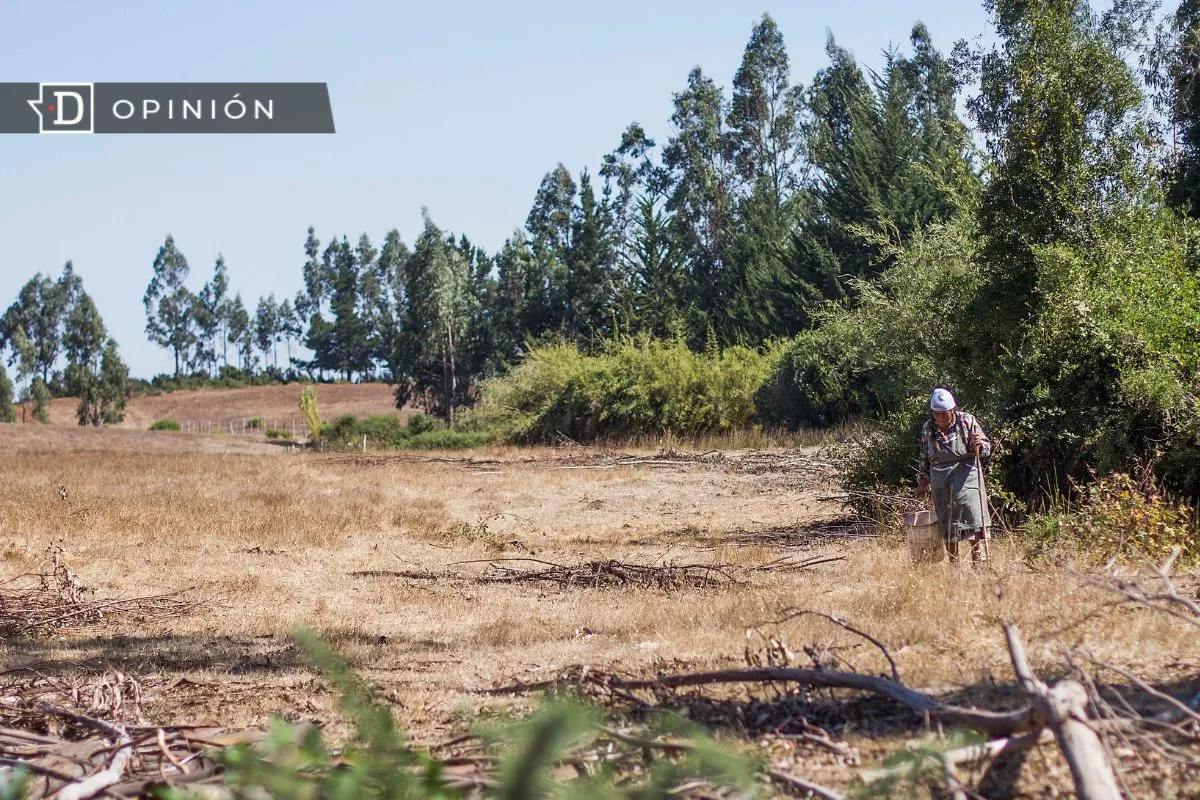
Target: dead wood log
pixel 993 723
pixel 1064 707
pixel 109 776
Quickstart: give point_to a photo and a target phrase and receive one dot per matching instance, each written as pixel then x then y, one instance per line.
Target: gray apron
pixel 954 483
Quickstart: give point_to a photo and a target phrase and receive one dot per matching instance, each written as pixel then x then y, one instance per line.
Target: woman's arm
pixel 978 438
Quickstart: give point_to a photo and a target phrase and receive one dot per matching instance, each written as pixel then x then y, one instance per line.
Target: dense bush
pixel 901 337
pixel 629 388
pixel 1105 373
pixel 165 425
pixel 391 431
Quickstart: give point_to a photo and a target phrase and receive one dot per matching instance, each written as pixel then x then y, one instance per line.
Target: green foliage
pixel 310 412
pixel 228 378
pixel 39 394
pixel 278 433
pixel 33 325
pixel 1119 518
pixel 170 321
pixel 630 388
pixel 164 425
pixel 915 769
pixel 13 785
pixel 294 762
pixel 889 156
pixel 436 319
pixel 873 359
pixel 7 412
pixel 256 423
pixel 391 431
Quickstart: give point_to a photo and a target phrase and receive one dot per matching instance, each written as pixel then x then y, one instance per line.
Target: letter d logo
pixel 64 107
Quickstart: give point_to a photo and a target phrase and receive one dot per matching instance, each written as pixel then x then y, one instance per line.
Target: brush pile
pixel 40 604
pixel 87 737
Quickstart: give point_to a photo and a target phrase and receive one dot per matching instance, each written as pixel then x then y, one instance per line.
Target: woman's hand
pixel 975 444
pixel 922 486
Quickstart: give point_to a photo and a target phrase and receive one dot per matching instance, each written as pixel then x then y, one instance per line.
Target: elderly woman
pixel 952 444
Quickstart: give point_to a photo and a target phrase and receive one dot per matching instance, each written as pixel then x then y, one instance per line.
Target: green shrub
pixel 378 761
pixel 256 423
pixel 1118 518
pixel 451 439
pixel 277 433
pixel 418 431
pixel 165 425
pixel 629 388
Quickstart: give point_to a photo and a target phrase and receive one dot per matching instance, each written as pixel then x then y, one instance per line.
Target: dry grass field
pixel 273 403
pixel 386 556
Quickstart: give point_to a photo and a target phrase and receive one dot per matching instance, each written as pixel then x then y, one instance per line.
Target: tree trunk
pixel 448 386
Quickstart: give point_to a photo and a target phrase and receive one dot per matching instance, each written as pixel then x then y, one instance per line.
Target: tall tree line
pixel 58 343
pixel 769 199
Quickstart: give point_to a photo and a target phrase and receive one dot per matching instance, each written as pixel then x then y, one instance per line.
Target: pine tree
pixel 655 271
pixel 701 204
pixel 350 346
pixel 591 268
pixel 549 226
pixel 764 144
pixel 516 294
pixel 889 155
pixel 170 306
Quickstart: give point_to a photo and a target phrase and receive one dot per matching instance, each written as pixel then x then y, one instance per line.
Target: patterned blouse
pixel 934 442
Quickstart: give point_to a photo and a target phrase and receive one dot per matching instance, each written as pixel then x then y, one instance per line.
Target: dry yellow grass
pixel 272 538
pixel 279 404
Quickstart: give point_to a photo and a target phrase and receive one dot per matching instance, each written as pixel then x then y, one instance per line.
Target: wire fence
pixel 275 427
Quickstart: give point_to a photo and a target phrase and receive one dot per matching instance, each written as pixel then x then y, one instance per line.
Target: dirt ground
pixel 386 556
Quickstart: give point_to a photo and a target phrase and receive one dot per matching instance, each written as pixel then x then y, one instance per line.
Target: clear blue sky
pixel 461 107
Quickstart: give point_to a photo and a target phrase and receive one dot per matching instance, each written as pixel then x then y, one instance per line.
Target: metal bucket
pixel 924 537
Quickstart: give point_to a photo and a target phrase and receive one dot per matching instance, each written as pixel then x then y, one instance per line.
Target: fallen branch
pixel 993 723
pixel 106 777
pixel 1064 707
pixel 795 783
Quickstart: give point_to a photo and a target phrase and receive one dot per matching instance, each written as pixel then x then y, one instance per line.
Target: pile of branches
pixel 87 737
pixel 614 574
pixel 39 604
pixel 1085 718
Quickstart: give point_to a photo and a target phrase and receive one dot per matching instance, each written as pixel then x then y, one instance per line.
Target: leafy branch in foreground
pixel 562 751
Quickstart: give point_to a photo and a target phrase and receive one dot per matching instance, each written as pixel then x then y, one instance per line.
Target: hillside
pixel 277 405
